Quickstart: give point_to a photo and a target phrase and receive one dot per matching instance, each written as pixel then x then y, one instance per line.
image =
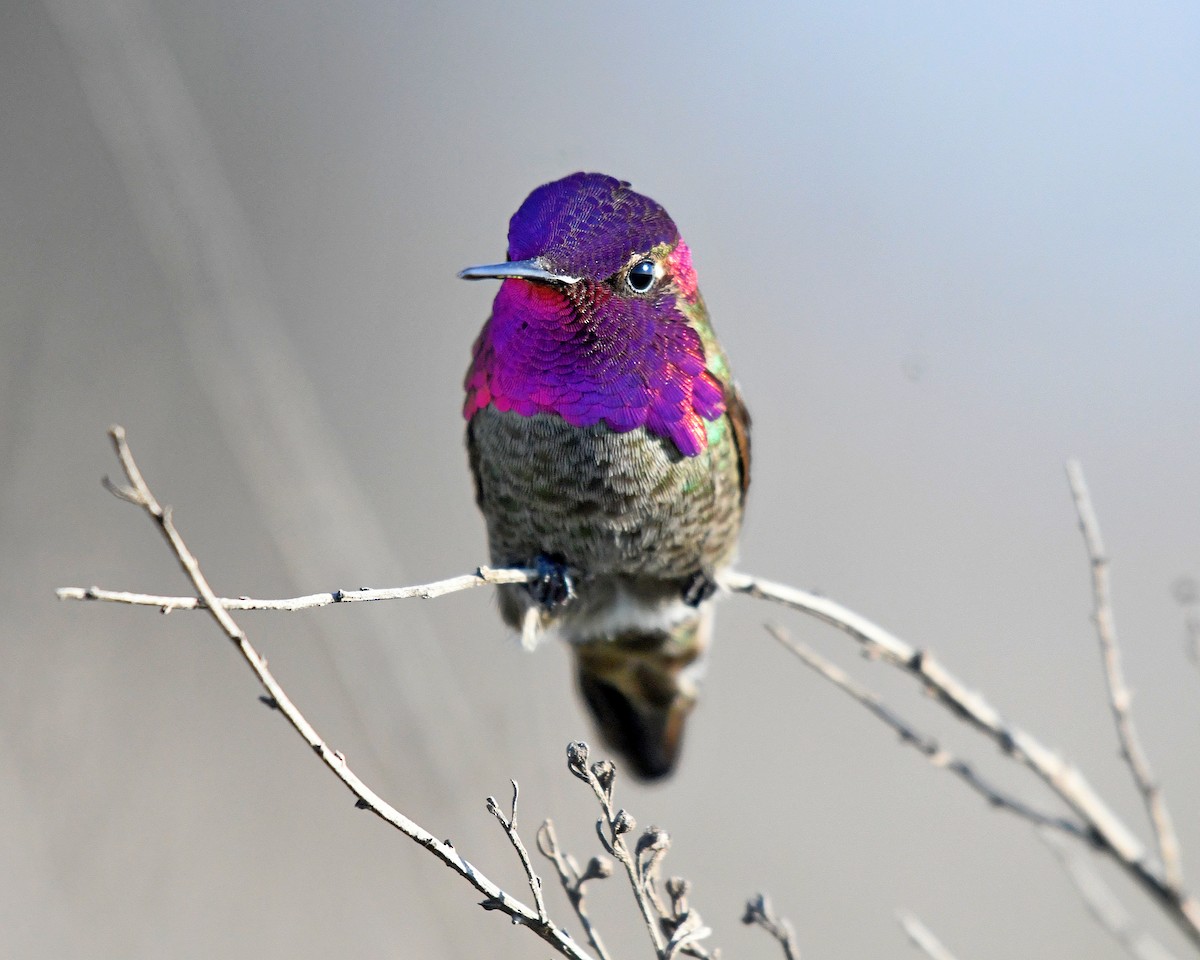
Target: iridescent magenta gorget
pixel 593 350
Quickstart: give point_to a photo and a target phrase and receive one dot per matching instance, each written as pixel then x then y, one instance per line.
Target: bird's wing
pixel 739 419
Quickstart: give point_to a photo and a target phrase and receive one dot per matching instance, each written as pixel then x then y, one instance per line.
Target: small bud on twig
pixel 598 868
pixel 757 909
pixel 605 772
pixel 678 889
pixel 577 754
pixel 654 839
pixel 623 822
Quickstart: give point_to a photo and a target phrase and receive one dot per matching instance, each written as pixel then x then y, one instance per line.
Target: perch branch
pixel 1119 697
pixel 1106 830
pixel 138 492
pixel 925 744
pixel 483 576
pixel 1100 825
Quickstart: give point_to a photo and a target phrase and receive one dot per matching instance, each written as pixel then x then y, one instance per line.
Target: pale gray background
pixel 945 248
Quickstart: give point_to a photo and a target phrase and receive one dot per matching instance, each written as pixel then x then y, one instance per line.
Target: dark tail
pixel 641 687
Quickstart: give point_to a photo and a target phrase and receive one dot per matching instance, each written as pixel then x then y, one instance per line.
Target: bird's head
pixel 593 230
pixel 598 318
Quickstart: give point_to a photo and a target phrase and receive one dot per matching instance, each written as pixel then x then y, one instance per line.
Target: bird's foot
pixel 700 587
pixel 554 585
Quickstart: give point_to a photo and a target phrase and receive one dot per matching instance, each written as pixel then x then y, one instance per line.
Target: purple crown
pixel 587 225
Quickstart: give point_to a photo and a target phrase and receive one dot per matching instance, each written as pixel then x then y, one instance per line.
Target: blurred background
pixel 946 247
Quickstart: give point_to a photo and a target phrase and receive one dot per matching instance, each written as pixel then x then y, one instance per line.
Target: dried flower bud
pixel 598 868
pixel 623 822
pixel 678 888
pixel 654 839
pixel 605 772
pixel 577 754
pixel 757 909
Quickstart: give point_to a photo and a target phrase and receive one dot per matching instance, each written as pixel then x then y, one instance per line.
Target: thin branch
pixel 1119 697
pixel 573 881
pixel 483 576
pixel 510 828
pixel 759 912
pixel 922 937
pixel 1099 899
pixel 924 744
pixel 1101 826
pixel 495 897
pixel 673 929
pixel 1106 830
pixel 600 777
pixel 1103 904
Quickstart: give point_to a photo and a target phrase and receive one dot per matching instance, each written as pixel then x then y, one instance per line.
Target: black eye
pixel 641 276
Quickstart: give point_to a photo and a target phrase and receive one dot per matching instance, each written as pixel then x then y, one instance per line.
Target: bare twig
pixel 1106 830
pixel 674 928
pixel 1119 697
pixel 483 576
pixel 759 911
pixel 495 898
pixel 1103 904
pixel 573 881
pixel 925 744
pixel 922 937
pixel 510 828
pixel 600 777
pixel 1099 899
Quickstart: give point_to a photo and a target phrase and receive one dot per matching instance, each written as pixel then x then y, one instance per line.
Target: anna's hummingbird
pixel 611 451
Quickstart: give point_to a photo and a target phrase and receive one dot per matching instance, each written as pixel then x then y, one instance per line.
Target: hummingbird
pixel 610 450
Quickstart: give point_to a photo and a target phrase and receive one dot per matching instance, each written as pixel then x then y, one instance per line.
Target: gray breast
pixel 625 504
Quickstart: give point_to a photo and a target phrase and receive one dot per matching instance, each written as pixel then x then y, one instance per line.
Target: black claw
pixel 554 585
pixel 699 588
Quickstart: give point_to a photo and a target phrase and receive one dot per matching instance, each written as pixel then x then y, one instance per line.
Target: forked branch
pixel 924 744
pixel 137 492
pixel 1101 826
pixel 1105 829
pixel 509 824
pixel 674 928
pixel 574 880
